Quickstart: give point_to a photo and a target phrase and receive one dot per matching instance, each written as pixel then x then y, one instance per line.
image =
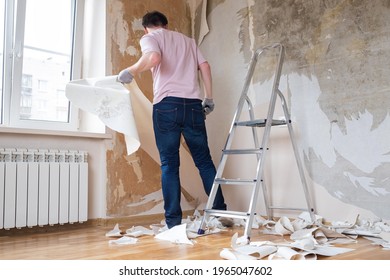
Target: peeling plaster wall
pixel 337 83
pixel 335 77
pixel 133 182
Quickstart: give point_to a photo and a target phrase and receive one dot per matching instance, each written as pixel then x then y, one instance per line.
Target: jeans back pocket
pixel 166 119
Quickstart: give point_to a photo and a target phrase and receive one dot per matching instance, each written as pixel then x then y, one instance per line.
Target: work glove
pixel 208 105
pixel 124 77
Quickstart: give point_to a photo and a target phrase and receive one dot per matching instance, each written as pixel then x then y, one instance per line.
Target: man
pixel 175 62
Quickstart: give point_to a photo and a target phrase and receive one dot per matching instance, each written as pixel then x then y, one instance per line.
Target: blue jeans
pixel 173 117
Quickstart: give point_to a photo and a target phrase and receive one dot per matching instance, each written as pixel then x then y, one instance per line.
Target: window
pixel 42 85
pixel 40 56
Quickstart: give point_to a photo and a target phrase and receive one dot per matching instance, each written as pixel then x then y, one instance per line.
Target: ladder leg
pixel 209 205
pixel 266 200
pixel 251 211
pixel 297 157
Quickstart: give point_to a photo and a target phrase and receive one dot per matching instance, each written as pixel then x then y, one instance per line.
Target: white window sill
pixel 55 133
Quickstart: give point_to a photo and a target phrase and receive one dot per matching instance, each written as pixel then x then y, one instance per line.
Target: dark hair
pixel 154 19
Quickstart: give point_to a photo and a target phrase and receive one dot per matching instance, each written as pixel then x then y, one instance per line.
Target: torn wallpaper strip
pixel 115 232
pixel 177 234
pixel 110 101
pixel 124 240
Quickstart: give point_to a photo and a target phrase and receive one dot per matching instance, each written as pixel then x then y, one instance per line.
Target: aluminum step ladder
pixel 259 150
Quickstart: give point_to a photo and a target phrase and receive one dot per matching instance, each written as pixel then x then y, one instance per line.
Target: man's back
pixel 177 73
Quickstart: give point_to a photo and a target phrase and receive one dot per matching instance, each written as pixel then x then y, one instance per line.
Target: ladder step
pixel 230 214
pixel 234 181
pixel 243 151
pixel 287 208
pixel 260 123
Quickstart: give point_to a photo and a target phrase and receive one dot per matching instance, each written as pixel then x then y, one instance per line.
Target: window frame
pixel 13 63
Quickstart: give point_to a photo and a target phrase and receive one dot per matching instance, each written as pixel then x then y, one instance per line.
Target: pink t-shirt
pixel 177 73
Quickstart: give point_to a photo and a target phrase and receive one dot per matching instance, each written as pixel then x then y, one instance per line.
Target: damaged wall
pixel 133 182
pixel 335 77
pixel 337 81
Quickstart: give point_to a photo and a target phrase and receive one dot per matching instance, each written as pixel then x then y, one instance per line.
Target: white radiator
pixel 42 187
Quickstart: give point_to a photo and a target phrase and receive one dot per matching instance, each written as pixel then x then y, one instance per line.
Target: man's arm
pixel 146 62
pixel 205 72
pixel 208 102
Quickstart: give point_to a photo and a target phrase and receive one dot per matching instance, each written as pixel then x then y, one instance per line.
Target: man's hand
pixel 208 105
pixel 125 77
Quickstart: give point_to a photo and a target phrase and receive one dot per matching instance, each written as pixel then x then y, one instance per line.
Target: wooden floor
pixel 88 242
